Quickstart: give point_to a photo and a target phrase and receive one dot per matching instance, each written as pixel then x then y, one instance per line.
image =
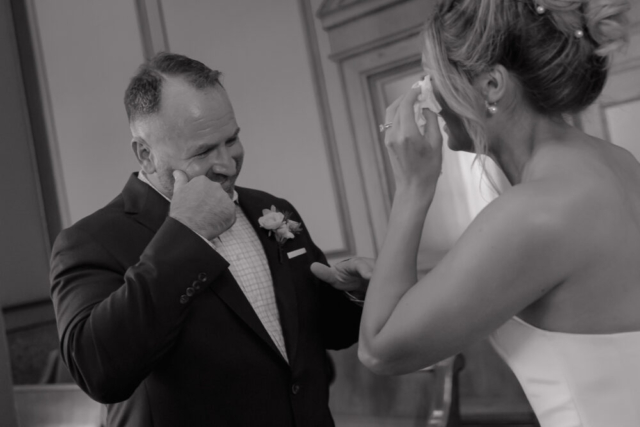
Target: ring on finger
pixel 384 127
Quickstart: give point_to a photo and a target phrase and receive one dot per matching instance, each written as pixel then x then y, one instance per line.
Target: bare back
pixel 598 185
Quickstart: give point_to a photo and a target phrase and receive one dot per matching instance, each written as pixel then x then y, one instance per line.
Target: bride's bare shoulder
pixel 569 189
pixel 539 203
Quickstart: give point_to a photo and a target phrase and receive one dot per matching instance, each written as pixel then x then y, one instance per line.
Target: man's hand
pixel 202 205
pixel 351 275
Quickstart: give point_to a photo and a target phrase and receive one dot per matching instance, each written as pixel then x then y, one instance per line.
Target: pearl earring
pixel 491 107
pixel 540 10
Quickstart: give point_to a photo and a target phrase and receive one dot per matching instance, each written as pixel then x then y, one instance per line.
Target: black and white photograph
pixel 320 213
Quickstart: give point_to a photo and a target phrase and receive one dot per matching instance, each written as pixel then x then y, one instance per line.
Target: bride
pixel 550 270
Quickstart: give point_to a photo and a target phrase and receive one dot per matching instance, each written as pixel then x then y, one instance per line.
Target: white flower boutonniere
pixel 279 224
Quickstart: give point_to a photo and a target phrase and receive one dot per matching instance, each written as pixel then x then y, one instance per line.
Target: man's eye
pixel 232 141
pixel 203 154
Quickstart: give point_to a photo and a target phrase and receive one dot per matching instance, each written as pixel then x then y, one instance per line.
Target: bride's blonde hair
pixel 558 50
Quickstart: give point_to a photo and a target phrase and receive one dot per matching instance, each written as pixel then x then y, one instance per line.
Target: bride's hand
pixel 416 159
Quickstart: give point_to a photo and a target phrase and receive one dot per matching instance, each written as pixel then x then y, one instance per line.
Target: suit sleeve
pixel 114 326
pixel 340 317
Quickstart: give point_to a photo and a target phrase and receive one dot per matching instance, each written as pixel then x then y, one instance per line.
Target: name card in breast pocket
pixel 296 253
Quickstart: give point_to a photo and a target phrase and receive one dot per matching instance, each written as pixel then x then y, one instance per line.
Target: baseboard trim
pixel 28 315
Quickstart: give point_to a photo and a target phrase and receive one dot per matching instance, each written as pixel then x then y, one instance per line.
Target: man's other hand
pixel 350 275
pixel 202 205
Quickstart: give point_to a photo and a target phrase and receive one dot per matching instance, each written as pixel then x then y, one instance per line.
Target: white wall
pixel 91 48
pixel 24 246
pixel 622 121
pixel 260 48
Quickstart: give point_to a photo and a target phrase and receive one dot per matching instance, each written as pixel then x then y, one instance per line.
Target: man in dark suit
pixel 188 301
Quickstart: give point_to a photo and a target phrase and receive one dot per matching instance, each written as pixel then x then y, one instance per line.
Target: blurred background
pixel 309 81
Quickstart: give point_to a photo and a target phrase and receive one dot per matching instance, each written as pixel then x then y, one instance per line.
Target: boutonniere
pixel 280 225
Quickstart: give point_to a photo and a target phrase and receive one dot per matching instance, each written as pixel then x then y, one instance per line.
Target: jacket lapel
pixel 145 204
pixel 229 291
pixel 151 209
pixel 252 204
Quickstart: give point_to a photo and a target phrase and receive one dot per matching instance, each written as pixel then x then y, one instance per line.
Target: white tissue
pixel 427 100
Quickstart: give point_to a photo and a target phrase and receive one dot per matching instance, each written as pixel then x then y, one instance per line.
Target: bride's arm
pixel 397 262
pixel 395 271
pixel 512 254
pixel 509 257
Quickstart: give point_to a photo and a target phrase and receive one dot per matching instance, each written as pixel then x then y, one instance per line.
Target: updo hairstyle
pixel 558 50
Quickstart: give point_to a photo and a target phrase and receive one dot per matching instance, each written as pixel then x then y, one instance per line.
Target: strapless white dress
pixel 574 380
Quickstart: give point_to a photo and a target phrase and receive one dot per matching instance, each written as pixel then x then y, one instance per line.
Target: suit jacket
pixel 133 341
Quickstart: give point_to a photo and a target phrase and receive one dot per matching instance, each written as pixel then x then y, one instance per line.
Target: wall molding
pixel 357 73
pixel 363 36
pixel 334 13
pixel 410 32
pixel 26 316
pixel 7 402
pixel 377 27
pixel 153 31
pixel 328 134
pixel 47 161
pixel 27 227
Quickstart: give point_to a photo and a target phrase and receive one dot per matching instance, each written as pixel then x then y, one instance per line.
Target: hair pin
pixel 579 34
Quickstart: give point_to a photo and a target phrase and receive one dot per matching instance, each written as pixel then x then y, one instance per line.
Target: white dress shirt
pixel 242 249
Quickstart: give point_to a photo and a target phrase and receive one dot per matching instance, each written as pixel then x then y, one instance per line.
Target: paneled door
pixel 488 390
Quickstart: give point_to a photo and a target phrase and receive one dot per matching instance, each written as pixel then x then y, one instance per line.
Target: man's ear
pixel 144 155
pixel 493 83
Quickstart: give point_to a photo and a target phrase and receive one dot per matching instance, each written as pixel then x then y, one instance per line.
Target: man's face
pixel 195 132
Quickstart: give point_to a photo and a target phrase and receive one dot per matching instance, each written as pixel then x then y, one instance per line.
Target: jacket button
pixel 184 299
pixel 202 277
pixel 295 389
pixel 190 292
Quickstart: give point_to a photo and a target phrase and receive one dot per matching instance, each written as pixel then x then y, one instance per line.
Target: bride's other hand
pixel 416 159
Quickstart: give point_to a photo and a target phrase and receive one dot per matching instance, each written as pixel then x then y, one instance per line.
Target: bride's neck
pixel 513 141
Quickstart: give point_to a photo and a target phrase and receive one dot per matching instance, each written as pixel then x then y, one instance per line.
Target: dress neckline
pixel 545 331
